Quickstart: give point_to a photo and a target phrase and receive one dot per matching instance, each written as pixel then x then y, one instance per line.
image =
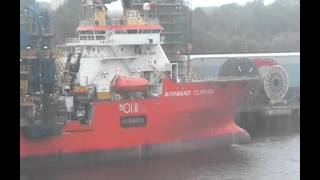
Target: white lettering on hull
pixel 128 107
pixel 200 92
pixel 177 93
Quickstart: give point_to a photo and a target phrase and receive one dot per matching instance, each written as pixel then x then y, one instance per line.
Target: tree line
pixel 252 28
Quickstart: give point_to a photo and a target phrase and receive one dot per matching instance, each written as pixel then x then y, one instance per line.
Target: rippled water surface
pixel 275 158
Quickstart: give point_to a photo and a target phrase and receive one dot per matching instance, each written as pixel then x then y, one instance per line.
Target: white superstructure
pixel 129 46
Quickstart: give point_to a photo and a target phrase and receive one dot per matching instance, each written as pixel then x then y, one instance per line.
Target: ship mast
pixel 189 42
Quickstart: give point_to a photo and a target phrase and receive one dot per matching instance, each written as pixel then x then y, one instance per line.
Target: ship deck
pixel 219 79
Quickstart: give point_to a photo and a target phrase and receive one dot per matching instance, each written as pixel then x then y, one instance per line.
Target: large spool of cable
pixel 238 67
pixel 275 80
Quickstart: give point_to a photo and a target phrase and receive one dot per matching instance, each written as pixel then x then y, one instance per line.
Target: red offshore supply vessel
pixel 118 96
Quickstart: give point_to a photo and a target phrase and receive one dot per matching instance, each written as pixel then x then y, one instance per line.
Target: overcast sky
pixel 204 3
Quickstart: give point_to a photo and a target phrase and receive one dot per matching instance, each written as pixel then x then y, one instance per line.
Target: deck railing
pixel 213 78
pixel 86 23
pixel 151 21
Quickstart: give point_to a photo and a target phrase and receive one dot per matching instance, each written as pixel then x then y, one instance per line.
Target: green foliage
pixel 227 29
pixel 253 27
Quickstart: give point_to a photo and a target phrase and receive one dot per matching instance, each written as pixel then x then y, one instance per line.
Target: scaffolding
pixel 173 17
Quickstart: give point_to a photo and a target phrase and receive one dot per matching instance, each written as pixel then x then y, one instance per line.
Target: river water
pixel 269 157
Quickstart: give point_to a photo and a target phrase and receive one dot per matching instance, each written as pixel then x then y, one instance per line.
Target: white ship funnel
pixel 114 9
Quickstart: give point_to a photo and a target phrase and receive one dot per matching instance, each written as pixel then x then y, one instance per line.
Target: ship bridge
pixel 118 34
pixel 114 24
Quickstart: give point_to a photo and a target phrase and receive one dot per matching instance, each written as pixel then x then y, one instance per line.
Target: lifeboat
pixel 123 84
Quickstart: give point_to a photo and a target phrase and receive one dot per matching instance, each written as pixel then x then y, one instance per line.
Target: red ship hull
pixel 186 116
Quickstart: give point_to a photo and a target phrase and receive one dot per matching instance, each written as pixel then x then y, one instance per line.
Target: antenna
pixel 189 43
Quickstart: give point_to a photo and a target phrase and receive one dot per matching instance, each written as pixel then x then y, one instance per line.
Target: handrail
pixel 97 75
pixel 151 21
pixel 215 78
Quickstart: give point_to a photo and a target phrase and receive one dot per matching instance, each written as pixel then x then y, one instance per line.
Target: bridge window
pixel 136 31
pixel 120 31
pixel 99 32
pixel 132 31
pixel 100 37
